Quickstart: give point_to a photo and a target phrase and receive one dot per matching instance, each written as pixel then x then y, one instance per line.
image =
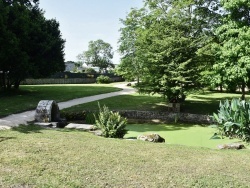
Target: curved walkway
pixel 28 116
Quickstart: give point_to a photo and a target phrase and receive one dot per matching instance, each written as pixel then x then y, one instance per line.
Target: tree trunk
pixel 16 84
pixel 243 91
pixel 221 88
pixel 3 83
pixel 138 80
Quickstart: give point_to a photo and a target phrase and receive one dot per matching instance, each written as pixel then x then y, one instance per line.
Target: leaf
pixel 234 105
pixel 216 117
pixel 216 136
pixel 213 126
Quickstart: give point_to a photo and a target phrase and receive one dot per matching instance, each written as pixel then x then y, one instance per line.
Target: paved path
pixel 22 118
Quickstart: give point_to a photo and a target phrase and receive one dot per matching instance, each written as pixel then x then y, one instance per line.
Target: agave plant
pixel 233 119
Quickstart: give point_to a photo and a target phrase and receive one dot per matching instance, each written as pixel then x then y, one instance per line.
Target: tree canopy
pixel 31 45
pixel 99 54
pixel 175 46
pixel 160 43
pixel 233 47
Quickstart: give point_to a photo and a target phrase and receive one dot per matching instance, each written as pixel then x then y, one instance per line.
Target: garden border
pixel 167 116
pixel 152 116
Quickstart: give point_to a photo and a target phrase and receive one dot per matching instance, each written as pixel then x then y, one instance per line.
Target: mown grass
pixel 28 96
pixel 34 157
pixel 207 102
pixel 201 103
pixel 125 102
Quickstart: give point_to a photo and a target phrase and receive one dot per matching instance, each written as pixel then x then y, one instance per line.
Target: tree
pixel 31 46
pixel 166 38
pixel 131 66
pixel 233 48
pixel 99 54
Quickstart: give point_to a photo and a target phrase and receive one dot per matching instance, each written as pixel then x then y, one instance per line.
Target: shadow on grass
pixel 27 129
pixel 157 127
pixel 200 107
pixel 70 130
pixel 6 138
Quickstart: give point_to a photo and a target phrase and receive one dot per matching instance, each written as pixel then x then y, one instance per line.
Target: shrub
pixel 111 124
pixel 90 118
pixel 90 70
pixel 233 119
pixel 103 79
pixel 73 115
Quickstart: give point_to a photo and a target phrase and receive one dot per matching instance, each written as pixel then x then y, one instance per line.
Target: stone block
pixel 47 111
pixel 86 127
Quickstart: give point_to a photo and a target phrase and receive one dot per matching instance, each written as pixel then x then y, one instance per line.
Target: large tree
pixel 233 48
pixel 131 66
pixel 31 46
pixel 166 40
pixel 99 54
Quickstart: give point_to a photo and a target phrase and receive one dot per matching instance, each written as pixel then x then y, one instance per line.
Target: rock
pixel 4 127
pixel 231 146
pixel 86 127
pixel 43 124
pixel 151 138
pixel 97 132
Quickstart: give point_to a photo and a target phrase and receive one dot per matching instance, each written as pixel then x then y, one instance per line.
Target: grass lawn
pixel 204 103
pixel 125 102
pixel 28 96
pixel 33 157
pixel 207 102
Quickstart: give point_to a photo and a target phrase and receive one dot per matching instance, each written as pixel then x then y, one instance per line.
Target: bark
pixel 243 91
pixel 17 84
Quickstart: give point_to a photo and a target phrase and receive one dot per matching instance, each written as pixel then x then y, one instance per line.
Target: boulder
pixel 231 146
pixel 151 138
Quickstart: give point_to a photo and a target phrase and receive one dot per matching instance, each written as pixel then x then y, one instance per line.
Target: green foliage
pixel 110 123
pixel 131 66
pixel 231 48
pixel 103 79
pixel 90 70
pixel 233 119
pixel 73 115
pixel 90 118
pixel 31 46
pixel 99 54
pixel 159 44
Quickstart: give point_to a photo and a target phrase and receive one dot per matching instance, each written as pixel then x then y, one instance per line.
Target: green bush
pixel 103 79
pixel 111 124
pixel 233 119
pixel 90 70
pixel 90 118
pixel 73 115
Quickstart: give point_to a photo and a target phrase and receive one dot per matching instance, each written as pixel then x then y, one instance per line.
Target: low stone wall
pixel 167 116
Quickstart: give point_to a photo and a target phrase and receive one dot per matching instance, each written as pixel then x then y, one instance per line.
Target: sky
pixel 84 20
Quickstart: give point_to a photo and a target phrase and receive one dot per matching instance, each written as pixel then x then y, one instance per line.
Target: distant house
pixel 70 66
pixel 85 66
